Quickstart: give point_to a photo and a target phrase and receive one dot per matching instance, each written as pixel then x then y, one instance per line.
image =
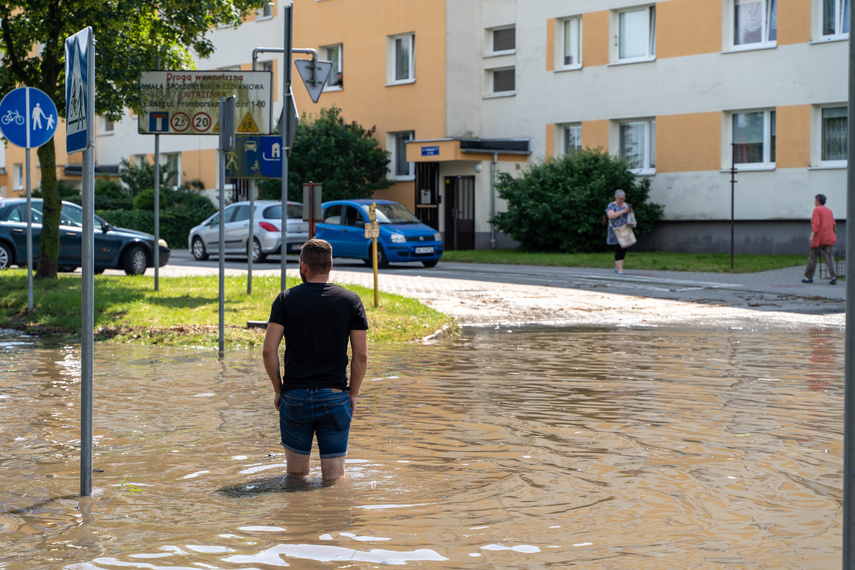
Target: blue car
pixel 403 237
pixel 115 248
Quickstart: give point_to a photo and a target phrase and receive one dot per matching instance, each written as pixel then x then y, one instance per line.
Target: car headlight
pixel 162 243
pixel 398 238
pixel 437 236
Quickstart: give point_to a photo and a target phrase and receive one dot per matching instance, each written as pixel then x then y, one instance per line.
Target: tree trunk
pixel 49 241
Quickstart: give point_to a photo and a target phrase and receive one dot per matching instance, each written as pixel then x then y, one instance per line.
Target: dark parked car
pixel 115 248
pixel 403 237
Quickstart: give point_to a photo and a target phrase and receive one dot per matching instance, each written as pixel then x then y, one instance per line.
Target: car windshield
pixel 392 214
pixel 295 212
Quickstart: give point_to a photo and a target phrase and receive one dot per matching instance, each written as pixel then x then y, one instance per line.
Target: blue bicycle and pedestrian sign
pixel 27 117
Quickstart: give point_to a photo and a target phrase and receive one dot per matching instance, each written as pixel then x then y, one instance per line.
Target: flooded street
pixel 527 448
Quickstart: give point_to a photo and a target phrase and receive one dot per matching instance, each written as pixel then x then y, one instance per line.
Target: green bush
pixel 176 219
pixel 111 195
pixel 557 205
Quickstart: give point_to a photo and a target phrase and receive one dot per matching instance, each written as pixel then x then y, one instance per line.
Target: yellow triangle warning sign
pixel 217 127
pixel 247 125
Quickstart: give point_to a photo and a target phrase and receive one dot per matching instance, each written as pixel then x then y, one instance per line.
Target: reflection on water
pixel 661 448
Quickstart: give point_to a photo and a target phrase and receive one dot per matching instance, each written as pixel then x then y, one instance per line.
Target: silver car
pixel 204 239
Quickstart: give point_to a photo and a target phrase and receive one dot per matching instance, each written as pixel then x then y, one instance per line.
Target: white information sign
pixel 187 102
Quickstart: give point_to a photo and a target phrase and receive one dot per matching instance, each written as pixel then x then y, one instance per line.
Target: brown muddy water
pixel 523 448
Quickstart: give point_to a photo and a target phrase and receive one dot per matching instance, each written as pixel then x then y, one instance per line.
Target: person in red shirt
pixel 823 235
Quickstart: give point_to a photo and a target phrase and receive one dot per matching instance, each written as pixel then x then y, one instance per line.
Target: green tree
pixel 557 205
pixel 344 157
pixel 131 36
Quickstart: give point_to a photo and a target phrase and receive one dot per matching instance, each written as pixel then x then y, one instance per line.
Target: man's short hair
pixel 317 254
pixel 821 199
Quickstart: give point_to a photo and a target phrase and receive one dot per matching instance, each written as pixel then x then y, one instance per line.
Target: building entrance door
pixel 427 193
pixel 460 212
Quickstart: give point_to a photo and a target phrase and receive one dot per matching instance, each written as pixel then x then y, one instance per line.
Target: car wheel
pixel 258 256
pixel 134 261
pixel 382 261
pixel 5 256
pixel 98 270
pixel 431 263
pixel 198 249
pixel 66 269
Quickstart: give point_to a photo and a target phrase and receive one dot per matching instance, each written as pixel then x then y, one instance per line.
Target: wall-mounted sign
pixel 430 151
pixel 187 102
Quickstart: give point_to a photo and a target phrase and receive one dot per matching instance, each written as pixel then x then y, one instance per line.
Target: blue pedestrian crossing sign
pixel 27 117
pixel 78 125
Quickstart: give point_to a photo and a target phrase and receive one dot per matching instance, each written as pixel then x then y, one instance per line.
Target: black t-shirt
pixel 318 318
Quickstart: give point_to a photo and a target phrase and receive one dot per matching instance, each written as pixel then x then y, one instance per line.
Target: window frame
pixel 562 46
pixel 166 158
pixel 765 42
pixel 337 71
pixel 395 144
pixel 264 13
pixel 841 20
pixel 821 139
pixel 18 176
pixel 648 144
pixel 769 140
pixel 392 59
pixel 109 127
pixel 491 35
pixel 491 81
pixel 650 40
pixel 565 138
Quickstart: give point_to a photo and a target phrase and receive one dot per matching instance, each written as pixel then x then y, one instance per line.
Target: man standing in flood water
pixel 316 319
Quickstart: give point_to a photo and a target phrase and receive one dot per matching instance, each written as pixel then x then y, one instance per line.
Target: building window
pixel 571 53
pixel 835 18
pixel 504 40
pixel 503 81
pixel 400 168
pixel 265 12
pixel 401 59
pixel 138 160
pixel 18 176
pixel 171 162
pixel 333 53
pixel 833 135
pixel 109 127
pixel 638 144
pixel 637 34
pixel 572 138
pixel 754 138
pixel 755 23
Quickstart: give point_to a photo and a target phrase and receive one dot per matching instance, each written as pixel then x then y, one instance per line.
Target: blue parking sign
pixel 27 117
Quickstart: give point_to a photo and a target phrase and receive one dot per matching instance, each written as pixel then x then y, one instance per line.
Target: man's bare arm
pixel 270 354
pixel 358 362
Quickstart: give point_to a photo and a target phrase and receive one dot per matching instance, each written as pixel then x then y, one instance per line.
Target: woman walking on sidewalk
pixel 823 235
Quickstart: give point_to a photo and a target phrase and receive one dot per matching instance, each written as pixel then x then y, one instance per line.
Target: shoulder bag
pixel 625 236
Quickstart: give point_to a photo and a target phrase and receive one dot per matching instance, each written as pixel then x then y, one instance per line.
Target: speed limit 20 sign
pixel 187 102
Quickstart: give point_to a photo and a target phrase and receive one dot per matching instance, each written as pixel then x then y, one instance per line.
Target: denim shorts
pixel 321 411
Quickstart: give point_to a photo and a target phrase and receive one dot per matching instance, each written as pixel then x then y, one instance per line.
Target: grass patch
pixel 642 260
pixel 185 311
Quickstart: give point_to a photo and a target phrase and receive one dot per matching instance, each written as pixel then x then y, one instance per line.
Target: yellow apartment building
pixel 459 90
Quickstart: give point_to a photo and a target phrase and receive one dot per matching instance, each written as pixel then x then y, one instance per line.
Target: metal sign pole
pixel 157 207
pixel 227 144
pixel 88 279
pixel 29 235
pixel 849 343
pixel 285 128
pixel 156 212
